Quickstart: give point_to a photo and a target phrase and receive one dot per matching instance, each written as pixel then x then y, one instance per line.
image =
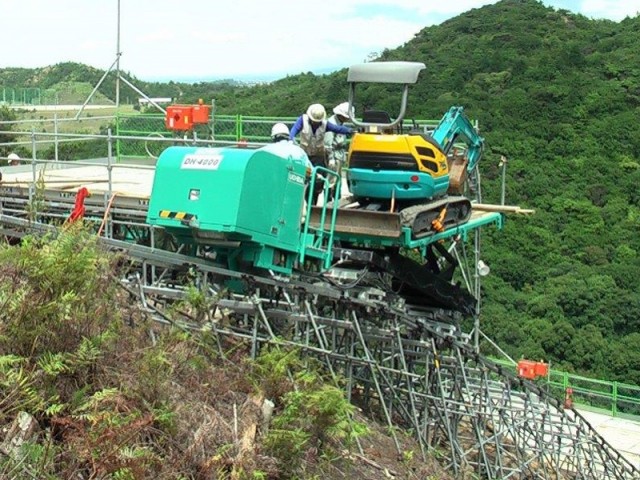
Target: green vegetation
pixel 559 95
pixel 89 386
pixel 314 415
pixel 6 135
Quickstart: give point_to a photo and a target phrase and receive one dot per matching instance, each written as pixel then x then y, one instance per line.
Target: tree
pixel 6 134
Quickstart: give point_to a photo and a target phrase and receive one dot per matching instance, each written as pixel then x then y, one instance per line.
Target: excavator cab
pixel 385 163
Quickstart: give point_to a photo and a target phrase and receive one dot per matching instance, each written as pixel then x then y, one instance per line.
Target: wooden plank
pixel 501 208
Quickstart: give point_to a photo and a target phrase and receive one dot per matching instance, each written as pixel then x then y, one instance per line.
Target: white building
pixel 143 102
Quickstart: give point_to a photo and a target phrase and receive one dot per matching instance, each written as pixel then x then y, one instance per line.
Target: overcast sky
pixel 247 39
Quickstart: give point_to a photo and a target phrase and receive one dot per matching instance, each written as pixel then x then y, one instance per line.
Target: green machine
pixel 242 206
pixel 245 209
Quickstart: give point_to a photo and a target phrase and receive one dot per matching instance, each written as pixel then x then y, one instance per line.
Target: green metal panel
pixel 272 195
pixel 201 182
pixel 405 239
pixel 244 194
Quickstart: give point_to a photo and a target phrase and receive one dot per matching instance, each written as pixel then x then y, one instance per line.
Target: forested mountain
pixel 559 95
pixel 59 76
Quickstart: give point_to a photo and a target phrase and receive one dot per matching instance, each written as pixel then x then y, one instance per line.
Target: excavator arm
pixel 455 127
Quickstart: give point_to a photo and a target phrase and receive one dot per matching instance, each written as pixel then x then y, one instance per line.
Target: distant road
pixel 59 107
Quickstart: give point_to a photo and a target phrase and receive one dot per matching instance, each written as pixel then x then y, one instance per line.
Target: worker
pixel 336 144
pixel 13 159
pixel 312 127
pixel 279 132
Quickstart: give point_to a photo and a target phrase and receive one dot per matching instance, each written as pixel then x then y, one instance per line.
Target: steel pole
pixel 503 164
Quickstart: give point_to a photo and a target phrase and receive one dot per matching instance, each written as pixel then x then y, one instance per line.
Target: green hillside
pixel 559 95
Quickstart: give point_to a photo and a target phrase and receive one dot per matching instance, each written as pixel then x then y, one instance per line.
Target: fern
pixel 52 363
pixel 18 392
pixel 98 397
pixel 10 361
pixel 87 353
pixel 91 410
pixel 54 409
pixel 132 453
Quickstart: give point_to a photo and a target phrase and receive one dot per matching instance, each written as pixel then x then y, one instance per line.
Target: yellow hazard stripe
pixel 176 215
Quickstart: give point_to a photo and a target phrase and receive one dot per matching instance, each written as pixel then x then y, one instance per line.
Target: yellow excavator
pixel 415 174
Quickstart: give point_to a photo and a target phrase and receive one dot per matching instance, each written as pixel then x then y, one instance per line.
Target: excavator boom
pixel 455 127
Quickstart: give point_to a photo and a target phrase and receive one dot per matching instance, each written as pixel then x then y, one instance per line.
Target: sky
pixel 194 40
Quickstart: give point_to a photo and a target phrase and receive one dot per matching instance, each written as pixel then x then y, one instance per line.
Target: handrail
pixel 616 399
pixel 321 233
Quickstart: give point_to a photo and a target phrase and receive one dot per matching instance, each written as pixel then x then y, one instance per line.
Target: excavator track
pixel 427 219
pixel 416 282
pixel 423 219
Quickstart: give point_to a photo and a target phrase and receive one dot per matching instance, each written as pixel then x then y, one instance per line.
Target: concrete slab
pixel 128 181
pixel 620 433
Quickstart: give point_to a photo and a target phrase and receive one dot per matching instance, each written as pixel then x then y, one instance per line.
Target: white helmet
pixel 316 112
pixel 279 129
pixel 343 110
pixel 13 159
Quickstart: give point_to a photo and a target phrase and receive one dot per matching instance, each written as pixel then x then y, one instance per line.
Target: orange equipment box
pixel 184 117
pixel 541 369
pixel 179 117
pixel 201 114
pixel 531 370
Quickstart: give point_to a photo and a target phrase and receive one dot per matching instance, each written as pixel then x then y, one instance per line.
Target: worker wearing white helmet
pixel 279 132
pixel 312 127
pixel 336 144
pixel 13 159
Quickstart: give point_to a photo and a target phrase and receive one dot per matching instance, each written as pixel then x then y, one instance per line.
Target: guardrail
pixel 232 128
pixel 612 398
pixel 141 135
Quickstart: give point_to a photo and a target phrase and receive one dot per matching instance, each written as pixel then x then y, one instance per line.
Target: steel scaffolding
pixel 402 364
pixel 409 367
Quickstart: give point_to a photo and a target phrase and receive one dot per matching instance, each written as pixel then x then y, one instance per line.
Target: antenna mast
pixel 118 54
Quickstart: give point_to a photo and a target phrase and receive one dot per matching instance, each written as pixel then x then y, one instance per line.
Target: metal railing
pixel 231 128
pixel 611 398
pixel 142 135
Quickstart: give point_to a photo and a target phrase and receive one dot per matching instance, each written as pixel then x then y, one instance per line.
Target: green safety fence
pixel 71 93
pixel 613 398
pixel 20 96
pixel 227 128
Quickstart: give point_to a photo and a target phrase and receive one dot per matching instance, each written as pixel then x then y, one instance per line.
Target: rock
pixel 24 429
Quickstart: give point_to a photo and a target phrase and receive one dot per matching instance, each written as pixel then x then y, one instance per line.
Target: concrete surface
pixel 621 434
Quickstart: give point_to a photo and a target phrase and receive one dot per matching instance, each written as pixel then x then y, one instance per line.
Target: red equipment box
pixel 531 370
pixel 201 114
pixel 184 117
pixel 179 117
pixel 541 369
